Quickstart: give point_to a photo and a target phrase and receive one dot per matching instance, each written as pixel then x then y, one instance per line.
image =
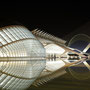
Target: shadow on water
pixel 66 82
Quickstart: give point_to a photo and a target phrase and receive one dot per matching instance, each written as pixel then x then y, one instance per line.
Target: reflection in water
pixel 65 82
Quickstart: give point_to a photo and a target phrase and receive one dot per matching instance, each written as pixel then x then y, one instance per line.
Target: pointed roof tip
pixel 35 30
pixel 44 34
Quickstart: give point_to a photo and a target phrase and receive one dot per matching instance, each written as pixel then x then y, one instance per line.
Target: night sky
pixel 58 19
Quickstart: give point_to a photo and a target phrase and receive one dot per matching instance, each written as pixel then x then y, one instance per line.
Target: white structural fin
pixel 45 35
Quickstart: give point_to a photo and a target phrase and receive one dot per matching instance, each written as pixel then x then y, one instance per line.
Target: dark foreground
pixel 66 82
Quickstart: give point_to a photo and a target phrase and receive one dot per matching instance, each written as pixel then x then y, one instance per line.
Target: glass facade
pixel 22 58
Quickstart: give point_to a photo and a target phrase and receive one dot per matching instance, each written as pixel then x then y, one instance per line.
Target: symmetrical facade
pixel 33 58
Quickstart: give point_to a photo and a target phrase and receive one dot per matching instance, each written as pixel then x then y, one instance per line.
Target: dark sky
pixel 58 19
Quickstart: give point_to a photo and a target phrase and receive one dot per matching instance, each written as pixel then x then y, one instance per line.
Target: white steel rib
pixel 22 58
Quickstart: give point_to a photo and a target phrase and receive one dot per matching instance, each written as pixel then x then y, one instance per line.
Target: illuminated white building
pixel 22 58
pixel 57 56
pixel 33 58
